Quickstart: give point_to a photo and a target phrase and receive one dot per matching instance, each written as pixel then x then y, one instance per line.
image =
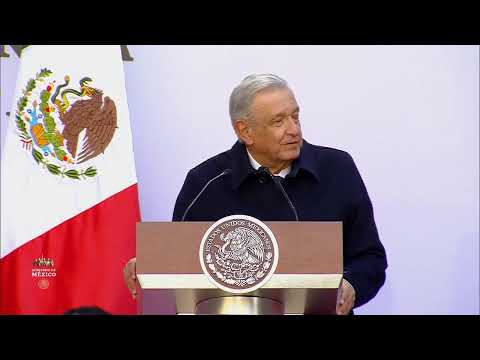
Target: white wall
pixel 409 116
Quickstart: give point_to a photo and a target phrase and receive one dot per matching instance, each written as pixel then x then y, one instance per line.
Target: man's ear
pixel 244 131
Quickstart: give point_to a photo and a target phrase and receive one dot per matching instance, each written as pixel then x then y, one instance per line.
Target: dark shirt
pixel 323 185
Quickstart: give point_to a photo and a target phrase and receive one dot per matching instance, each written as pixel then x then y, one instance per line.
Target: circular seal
pixel 43 284
pixel 239 254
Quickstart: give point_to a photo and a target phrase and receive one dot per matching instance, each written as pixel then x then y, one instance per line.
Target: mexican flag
pixel 69 197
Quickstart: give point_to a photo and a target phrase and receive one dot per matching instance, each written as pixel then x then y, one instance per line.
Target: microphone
pixel 224 172
pixel 264 174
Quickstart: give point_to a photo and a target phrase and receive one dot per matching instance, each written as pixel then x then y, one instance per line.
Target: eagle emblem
pixel 239 253
pixel 64 125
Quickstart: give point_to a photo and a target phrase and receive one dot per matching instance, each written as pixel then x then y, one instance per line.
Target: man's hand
pixel 129 273
pixel 346 298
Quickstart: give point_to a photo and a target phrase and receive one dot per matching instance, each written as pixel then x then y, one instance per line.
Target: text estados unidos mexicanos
pixel 228 224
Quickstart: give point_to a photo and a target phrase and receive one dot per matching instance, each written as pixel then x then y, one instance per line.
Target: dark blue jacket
pixel 323 185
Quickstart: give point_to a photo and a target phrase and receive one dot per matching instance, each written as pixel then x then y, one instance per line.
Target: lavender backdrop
pixel 409 115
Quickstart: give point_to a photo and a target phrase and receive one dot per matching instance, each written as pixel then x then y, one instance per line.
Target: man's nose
pixel 293 126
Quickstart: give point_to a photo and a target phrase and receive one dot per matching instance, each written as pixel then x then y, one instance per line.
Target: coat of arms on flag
pixel 69 203
pixel 51 118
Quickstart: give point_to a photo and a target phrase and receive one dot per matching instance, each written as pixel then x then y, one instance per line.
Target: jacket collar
pixel 242 169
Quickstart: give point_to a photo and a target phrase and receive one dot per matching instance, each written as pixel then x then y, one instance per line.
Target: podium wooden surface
pixel 171 280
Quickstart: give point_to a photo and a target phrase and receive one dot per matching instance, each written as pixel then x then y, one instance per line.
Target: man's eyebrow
pixel 283 114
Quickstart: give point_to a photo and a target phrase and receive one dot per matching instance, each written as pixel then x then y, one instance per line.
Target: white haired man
pixel 323 184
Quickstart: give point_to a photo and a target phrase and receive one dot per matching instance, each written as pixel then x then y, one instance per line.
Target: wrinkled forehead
pixel 273 101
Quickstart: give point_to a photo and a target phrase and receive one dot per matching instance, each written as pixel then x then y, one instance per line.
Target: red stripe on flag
pixel 88 251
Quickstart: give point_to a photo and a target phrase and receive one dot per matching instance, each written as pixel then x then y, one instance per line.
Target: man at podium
pixel 273 174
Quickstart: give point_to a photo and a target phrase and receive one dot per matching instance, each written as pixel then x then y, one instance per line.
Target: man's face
pixel 275 132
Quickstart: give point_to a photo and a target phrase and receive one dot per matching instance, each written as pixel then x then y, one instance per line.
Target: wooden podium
pixel 306 280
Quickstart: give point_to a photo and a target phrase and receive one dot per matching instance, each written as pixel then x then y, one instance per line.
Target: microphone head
pixel 264 175
pixel 264 169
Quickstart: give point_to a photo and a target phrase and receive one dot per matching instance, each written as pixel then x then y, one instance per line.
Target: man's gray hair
pixel 242 96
